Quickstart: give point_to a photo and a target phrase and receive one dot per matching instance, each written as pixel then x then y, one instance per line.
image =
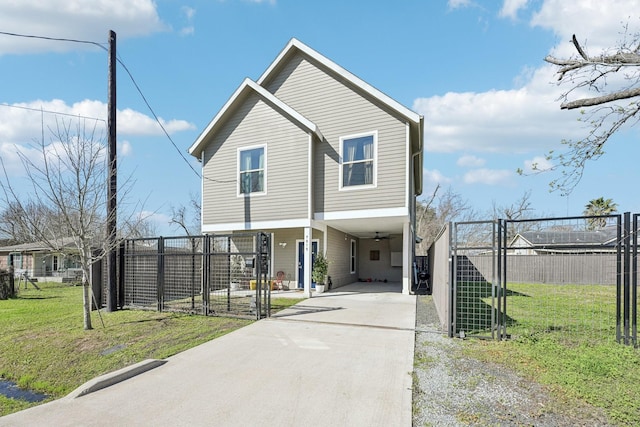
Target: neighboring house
pixel 321 160
pixel 38 260
pixel 553 241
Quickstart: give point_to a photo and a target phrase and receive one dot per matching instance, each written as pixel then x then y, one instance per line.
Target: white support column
pixel 406 258
pixel 307 262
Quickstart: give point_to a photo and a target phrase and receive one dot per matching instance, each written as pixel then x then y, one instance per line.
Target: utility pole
pixel 112 296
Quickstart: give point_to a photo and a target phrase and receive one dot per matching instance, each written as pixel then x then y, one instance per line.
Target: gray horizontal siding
pixel 339 110
pixel 256 123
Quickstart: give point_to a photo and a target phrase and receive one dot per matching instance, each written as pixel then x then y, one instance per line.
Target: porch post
pixel 307 262
pixel 407 255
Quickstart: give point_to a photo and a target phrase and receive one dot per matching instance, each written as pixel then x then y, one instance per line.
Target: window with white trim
pixel 358 160
pixel 252 166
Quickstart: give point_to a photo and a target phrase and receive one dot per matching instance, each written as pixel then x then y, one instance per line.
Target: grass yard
pixel 44 347
pixel 565 336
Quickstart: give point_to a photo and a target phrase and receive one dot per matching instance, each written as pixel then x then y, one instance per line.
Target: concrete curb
pixel 115 377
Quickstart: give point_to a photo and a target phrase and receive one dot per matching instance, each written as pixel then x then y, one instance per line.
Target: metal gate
pixel 478 300
pixel 223 275
pixel 573 276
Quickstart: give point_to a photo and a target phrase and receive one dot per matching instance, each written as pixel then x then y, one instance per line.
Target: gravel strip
pixel 451 389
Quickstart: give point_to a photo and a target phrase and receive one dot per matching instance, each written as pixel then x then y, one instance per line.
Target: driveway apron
pixel 340 358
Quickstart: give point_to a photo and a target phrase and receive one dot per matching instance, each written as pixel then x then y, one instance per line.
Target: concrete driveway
pixel 342 358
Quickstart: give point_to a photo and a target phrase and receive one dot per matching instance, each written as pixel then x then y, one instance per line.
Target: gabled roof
pixel 415 120
pixel 247 87
pixel 603 237
pixel 295 45
pixel 65 242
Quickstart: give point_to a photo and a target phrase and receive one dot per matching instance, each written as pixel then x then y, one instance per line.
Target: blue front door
pixel 314 251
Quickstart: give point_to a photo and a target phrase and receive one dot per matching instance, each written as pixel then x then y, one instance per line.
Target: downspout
pixel 414 231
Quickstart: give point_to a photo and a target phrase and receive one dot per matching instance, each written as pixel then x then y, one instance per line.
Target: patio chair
pixel 279 277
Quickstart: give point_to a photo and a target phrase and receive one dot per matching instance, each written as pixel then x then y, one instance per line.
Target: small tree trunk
pixel 86 303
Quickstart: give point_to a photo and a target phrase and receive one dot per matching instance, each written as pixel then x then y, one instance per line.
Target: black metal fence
pixel 573 276
pixel 223 275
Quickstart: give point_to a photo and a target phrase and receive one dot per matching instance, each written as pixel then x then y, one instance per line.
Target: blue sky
pixel 474 69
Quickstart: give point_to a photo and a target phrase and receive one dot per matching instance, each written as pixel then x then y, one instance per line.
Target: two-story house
pixel 323 161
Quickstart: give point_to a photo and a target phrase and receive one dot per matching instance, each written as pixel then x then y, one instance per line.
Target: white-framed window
pixel 252 170
pixel 352 257
pixel 17 259
pixel 358 160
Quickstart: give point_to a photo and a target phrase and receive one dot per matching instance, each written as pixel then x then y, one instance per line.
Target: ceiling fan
pixel 378 237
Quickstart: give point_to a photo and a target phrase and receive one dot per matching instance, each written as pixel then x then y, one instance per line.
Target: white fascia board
pixel 356 81
pixel 268 96
pixel 248 84
pixel 363 214
pixel 258 225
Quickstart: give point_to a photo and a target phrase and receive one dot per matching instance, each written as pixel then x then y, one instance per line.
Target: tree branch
pixel 590 102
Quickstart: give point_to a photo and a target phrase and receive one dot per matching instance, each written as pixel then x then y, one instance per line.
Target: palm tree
pixel 599 207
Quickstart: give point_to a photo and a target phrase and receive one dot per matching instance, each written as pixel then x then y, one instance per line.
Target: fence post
pixel 618 279
pixel 627 272
pixel 206 273
pixel 634 283
pixel 160 274
pixel 453 279
pixel 120 270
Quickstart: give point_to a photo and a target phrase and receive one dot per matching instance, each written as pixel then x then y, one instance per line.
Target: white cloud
pixel 514 121
pixel 132 122
pixel 470 162
pixel 188 13
pixel 435 177
pixel 596 24
pixel 74 19
pixel 22 122
pixel 527 118
pixel 537 164
pixel 458 4
pixel 489 177
pixel 510 8
pixel 124 148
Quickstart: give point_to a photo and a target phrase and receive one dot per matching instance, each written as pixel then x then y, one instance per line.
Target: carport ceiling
pixel 367 227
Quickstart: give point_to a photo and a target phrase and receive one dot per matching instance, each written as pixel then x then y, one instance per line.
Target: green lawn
pixel 565 336
pixel 44 347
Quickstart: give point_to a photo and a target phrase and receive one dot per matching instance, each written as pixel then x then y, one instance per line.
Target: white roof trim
pixel 294 43
pixel 248 84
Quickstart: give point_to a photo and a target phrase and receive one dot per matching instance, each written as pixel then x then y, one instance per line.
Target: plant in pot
pixel 237 266
pixel 319 273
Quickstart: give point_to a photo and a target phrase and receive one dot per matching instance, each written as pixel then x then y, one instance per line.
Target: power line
pixel 144 98
pixel 30 36
pixel 121 62
pixel 41 110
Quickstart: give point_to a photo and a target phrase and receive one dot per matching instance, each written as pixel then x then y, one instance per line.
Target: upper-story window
pixel 358 160
pixel 252 166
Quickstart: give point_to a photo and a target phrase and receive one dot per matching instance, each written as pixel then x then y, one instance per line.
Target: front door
pixel 314 251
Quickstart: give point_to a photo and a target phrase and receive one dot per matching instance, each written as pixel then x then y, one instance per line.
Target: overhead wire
pixel 133 80
pixel 42 110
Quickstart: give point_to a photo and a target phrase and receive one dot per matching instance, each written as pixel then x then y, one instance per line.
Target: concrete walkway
pixel 342 358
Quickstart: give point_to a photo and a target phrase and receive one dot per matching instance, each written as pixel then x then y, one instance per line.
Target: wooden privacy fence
pixel 576 269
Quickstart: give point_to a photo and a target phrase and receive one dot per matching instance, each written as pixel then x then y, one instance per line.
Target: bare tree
pixel 187 218
pixel 433 213
pixel 613 77
pixel 521 209
pixel 68 178
pixel 15 229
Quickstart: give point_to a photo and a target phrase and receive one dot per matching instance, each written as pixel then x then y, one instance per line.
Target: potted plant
pixel 319 273
pixel 237 266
